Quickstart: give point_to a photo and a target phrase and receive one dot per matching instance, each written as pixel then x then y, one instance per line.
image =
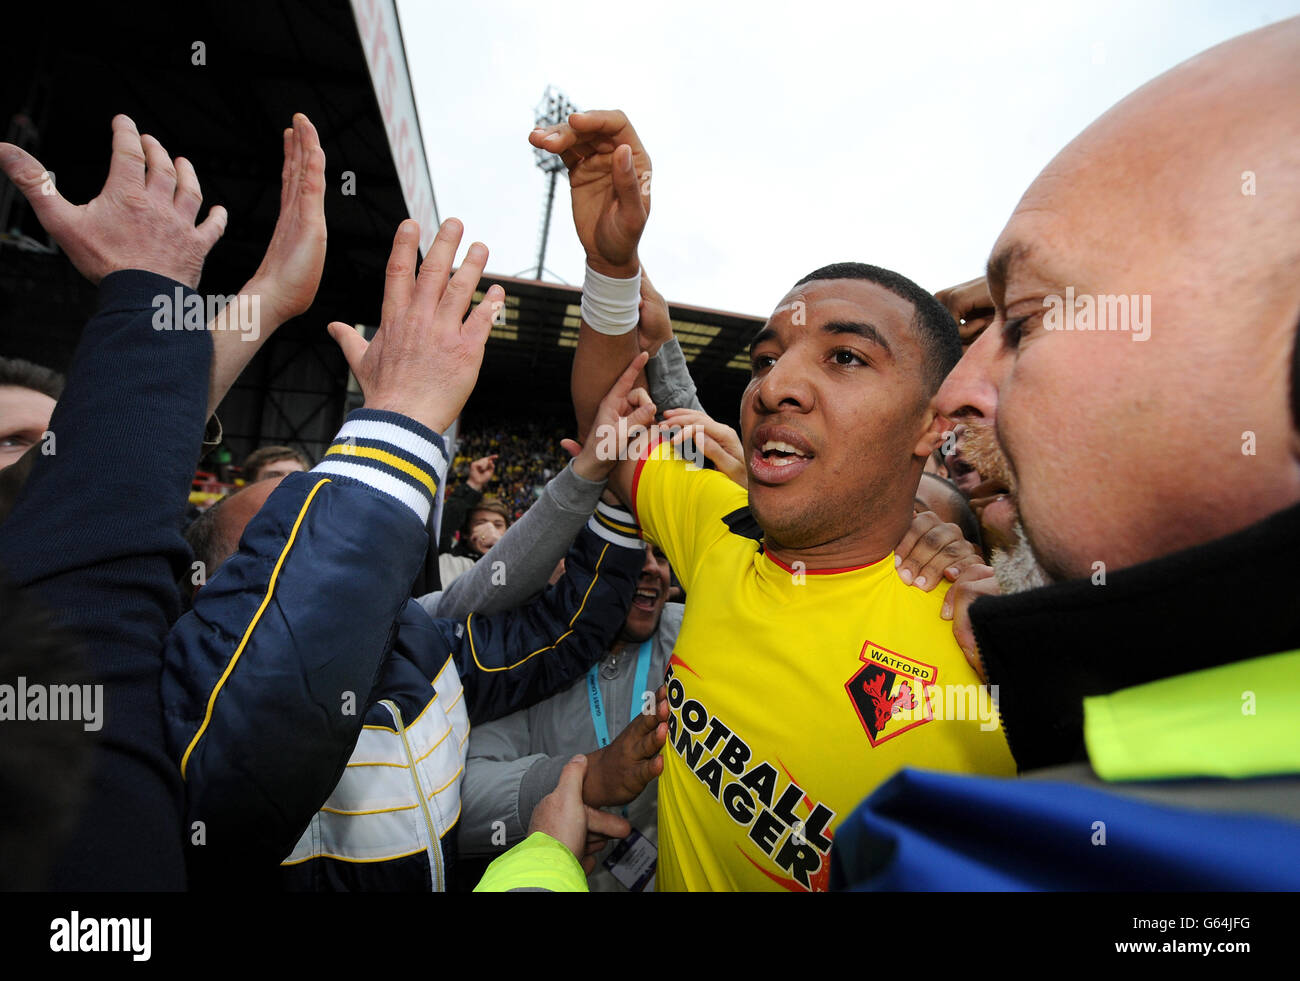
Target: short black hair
pixel 940 339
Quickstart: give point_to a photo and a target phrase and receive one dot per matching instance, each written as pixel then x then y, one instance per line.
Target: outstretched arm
pixel 285 284
pixel 269 677
pixel 132 415
pixel 609 177
pixel 520 564
pixel 513 659
pixel 508 661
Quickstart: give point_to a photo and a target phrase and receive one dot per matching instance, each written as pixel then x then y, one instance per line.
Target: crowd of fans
pixel 527 454
pixel 532 448
pixel 953 607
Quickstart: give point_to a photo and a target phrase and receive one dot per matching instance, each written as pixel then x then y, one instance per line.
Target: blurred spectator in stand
pixel 525 455
pixel 462 499
pixel 274 461
pixel 482 528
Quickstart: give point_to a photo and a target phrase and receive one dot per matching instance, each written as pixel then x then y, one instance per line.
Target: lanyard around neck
pixel 597 704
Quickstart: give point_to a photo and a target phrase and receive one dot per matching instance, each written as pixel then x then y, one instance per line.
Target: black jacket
pixel 1228 600
pixel 95 537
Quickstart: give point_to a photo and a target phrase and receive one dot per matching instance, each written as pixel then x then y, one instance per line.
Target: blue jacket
pixel 95 538
pixel 928 832
pixel 307 696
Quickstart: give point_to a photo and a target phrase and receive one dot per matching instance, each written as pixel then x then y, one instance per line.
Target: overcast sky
pixel 787 135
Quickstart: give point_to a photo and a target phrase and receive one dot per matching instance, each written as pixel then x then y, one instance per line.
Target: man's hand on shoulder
pixel 716 440
pixel 931 550
pixel 142 219
pixel 974 582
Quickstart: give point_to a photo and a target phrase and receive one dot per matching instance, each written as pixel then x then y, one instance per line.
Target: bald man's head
pixel 214 535
pixel 1133 434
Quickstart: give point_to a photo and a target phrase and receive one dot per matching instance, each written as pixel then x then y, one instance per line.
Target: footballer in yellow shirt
pixel 792 692
pixel 806 673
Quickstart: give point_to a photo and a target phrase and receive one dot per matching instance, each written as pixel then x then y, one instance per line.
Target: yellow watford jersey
pixel 793 693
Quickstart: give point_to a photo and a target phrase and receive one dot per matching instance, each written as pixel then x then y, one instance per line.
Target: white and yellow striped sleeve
pixel 615 525
pixel 390 453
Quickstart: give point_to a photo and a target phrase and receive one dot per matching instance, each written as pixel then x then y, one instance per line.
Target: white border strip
pixel 380 481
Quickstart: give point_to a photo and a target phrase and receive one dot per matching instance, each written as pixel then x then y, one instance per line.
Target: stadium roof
pixel 343 64
pixel 535 346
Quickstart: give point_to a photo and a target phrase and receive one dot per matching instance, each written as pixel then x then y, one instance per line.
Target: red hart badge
pixel 890 692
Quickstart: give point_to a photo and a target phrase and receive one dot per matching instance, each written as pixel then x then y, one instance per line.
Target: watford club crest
pixel 890 692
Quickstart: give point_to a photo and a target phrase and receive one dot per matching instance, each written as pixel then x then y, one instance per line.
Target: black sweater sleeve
pixel 96 538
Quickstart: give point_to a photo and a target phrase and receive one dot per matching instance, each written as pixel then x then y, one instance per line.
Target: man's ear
pixel 935 426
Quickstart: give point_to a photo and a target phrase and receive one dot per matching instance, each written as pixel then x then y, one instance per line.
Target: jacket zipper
pixel 435 843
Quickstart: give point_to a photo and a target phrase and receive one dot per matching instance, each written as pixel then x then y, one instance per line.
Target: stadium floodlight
pixel 554 108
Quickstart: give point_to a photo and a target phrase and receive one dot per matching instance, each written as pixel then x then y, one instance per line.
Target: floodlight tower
pixel 554 108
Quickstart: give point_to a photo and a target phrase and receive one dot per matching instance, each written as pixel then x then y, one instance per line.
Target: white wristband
pixel 611 306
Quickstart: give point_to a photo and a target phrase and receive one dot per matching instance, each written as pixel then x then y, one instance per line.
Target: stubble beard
pixel 1017 569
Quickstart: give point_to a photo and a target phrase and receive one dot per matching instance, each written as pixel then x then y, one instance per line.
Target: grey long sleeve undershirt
pixel 671 385
pixel 519 565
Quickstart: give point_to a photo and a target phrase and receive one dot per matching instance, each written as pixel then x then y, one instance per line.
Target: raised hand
pixel 291 270
pixel 481 471
pixel 425 357
pixel 609 177
pixel 142 219
pixel 286 281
